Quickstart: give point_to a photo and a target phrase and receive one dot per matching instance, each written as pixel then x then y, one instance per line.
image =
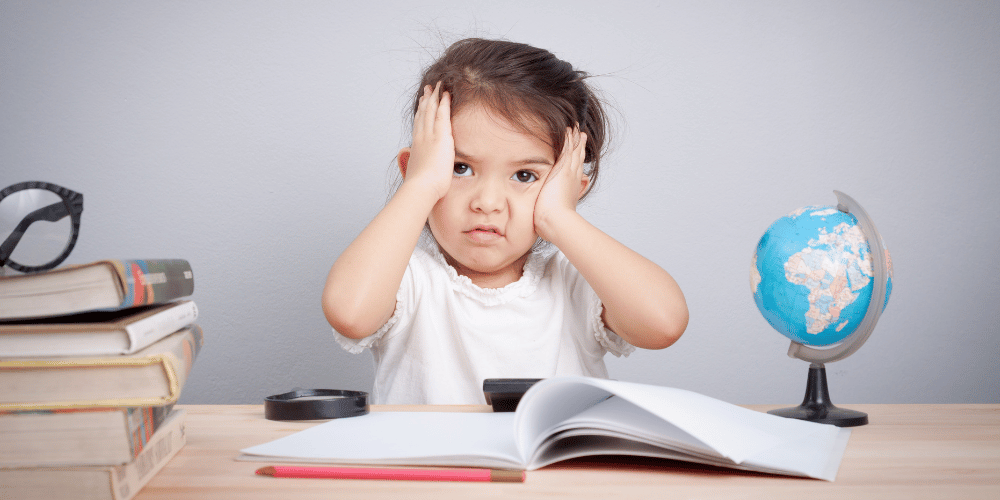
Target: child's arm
pixel 360 292
pixel 642 302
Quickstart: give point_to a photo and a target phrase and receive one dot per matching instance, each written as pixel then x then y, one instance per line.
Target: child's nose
pixel 489 197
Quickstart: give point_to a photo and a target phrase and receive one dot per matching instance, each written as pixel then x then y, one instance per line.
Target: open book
pixel 566 417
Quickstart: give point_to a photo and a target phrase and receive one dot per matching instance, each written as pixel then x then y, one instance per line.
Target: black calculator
pixel 504 393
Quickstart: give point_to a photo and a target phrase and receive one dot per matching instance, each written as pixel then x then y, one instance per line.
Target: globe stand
pixel 817 407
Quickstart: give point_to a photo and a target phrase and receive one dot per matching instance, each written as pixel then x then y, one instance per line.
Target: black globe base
pixel 817 407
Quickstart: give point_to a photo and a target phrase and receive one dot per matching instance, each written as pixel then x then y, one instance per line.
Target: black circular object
pixel 315 404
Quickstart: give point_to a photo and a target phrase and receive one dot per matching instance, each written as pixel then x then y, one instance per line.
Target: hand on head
pixel 564 185
pixel 430 160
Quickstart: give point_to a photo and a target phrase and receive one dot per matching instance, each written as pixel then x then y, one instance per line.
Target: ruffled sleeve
pixel 608 339
pixel 356 346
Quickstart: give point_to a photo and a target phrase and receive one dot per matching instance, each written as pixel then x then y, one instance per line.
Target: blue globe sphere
pixel 812 275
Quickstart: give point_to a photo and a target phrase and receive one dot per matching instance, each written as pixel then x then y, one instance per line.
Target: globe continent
pixel 812 275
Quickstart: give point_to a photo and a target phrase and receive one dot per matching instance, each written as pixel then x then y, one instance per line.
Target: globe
pixel 821 276
pixel 812 276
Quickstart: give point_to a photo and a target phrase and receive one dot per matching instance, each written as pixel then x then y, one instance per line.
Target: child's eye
pixel 525 176
pixel 462 170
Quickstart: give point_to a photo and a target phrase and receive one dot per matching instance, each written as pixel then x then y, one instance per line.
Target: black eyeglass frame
pixel 71 203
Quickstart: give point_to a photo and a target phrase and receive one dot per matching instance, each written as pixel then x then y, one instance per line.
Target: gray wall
pixel 256 139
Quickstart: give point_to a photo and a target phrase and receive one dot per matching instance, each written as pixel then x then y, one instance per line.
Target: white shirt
pixel 447 334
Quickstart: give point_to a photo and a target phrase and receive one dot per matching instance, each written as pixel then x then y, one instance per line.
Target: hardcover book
pixel 98 333
pixel 97 436
pixel 120 482
pixel 152 376
pixel 567 417
pixel 104 284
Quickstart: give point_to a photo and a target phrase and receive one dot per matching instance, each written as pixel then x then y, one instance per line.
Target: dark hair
pixel 529 87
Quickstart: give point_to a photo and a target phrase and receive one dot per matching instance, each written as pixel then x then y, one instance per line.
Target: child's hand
pixel 563 187
pixel 430 161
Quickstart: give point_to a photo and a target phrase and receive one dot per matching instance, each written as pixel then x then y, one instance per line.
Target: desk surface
pixel 907 451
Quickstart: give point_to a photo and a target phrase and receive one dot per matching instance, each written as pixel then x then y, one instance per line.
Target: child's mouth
pixel 484 233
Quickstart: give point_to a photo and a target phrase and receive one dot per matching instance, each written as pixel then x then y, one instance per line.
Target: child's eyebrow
pixel 533 160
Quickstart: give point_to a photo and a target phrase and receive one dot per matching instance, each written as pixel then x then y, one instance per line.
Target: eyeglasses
pixel 41 221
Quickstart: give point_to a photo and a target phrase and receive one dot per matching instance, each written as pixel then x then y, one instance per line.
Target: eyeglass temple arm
pixel 51 213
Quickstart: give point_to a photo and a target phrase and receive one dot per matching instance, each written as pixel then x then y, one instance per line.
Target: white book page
pixel 587 443
pixel 574 444
pixel 731 431
pixel 626 419
pixel 547 404
pixel 817 456
pixel 401 438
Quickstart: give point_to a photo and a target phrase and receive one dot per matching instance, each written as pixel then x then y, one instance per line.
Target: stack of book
pixel 92 359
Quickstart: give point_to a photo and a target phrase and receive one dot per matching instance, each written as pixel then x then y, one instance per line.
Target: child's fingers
pixel 572 159
pixel 443 119
pixel 567 150
pixel 581 157
pixel 581 149
pixel 562 187
pixel 419 119
pixel 574 150
pixel 431 108
pixel 569 144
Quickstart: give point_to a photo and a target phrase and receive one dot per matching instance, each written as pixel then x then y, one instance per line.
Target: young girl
pixel 479 266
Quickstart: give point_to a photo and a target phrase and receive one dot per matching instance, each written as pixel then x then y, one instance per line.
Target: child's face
pixel 485 222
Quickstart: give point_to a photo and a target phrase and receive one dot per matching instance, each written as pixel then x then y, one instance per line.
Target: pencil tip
pixel 506 476
pixel 265 471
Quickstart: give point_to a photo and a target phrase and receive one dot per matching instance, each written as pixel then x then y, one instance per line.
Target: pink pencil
pixel 468 474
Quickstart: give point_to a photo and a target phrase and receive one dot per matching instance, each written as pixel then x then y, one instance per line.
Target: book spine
pixel 148 330
pixel 153 281
pixel 186 352
pixel 129 479
pixel 143 424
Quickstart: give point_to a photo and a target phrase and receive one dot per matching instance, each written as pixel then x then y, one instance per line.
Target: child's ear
pixel 584 185
pixel 402 159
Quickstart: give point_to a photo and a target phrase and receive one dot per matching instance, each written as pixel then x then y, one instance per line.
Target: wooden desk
pixel 907 451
